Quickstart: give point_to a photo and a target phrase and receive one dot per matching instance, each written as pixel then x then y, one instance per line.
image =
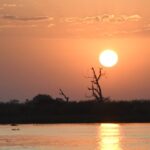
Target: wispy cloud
pixel 35 18
pixel 134 18
pixel 120 18
pixel 19 22
pixel 9 5
pixel 106 25
pixel 17 26
pixel 110 18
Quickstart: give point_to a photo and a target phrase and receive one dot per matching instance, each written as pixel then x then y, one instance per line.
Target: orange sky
pixel 49 45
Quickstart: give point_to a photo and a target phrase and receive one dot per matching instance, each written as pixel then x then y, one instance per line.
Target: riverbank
pixel 45 109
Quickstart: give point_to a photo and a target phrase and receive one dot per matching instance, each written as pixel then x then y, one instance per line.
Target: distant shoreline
pixel 73 119
pixel 43 109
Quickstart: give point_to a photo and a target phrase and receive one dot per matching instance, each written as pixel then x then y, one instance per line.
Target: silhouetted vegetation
pixel 45 109
pixel 96 86
pixel 64 95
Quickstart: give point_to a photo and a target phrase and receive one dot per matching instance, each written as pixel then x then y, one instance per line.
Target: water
pixel 75 137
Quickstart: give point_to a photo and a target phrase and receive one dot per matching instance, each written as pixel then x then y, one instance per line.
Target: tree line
pixel 45 109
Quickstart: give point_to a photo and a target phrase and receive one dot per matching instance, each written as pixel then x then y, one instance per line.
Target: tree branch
pixel 64 95
pixel 96 87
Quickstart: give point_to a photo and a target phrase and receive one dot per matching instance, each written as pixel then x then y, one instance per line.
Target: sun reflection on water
pixel 109 137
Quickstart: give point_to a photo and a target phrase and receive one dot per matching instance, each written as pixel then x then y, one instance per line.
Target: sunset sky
pixel 50 44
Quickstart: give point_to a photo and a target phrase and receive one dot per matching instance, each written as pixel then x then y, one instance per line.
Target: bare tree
pixel 64 95
pixel 95 85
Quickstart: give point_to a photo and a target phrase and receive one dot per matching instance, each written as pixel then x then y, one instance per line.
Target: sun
pixel 108 58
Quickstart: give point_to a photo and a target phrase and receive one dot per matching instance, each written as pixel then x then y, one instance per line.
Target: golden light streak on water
pixel 109 137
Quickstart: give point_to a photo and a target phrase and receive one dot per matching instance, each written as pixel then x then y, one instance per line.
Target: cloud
pixel 6 26
pixel 12 21
pixel 103 25
pixel 86 20
pixel 9 5
pixel 109 18
pixel 113 18
pixel 134 18
pixel 120 18
pixel 106 25
pixel 35 18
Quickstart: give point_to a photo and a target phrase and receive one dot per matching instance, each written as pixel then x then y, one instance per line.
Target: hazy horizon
pixel 49 45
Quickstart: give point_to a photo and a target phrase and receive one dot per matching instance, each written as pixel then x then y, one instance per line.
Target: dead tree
pixel 95 85
pixel 64 95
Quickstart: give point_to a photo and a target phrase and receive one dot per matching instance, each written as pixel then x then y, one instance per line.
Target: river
pixel 75 137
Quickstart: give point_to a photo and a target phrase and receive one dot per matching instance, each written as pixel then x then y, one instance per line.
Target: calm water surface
pixel 75 137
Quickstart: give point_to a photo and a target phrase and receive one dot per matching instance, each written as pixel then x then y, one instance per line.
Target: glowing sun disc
pixel 108 58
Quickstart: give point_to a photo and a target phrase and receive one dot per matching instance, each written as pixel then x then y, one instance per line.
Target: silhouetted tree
pixel 95 85
pixel 64 95
pixel 43 99
pixel 14 101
